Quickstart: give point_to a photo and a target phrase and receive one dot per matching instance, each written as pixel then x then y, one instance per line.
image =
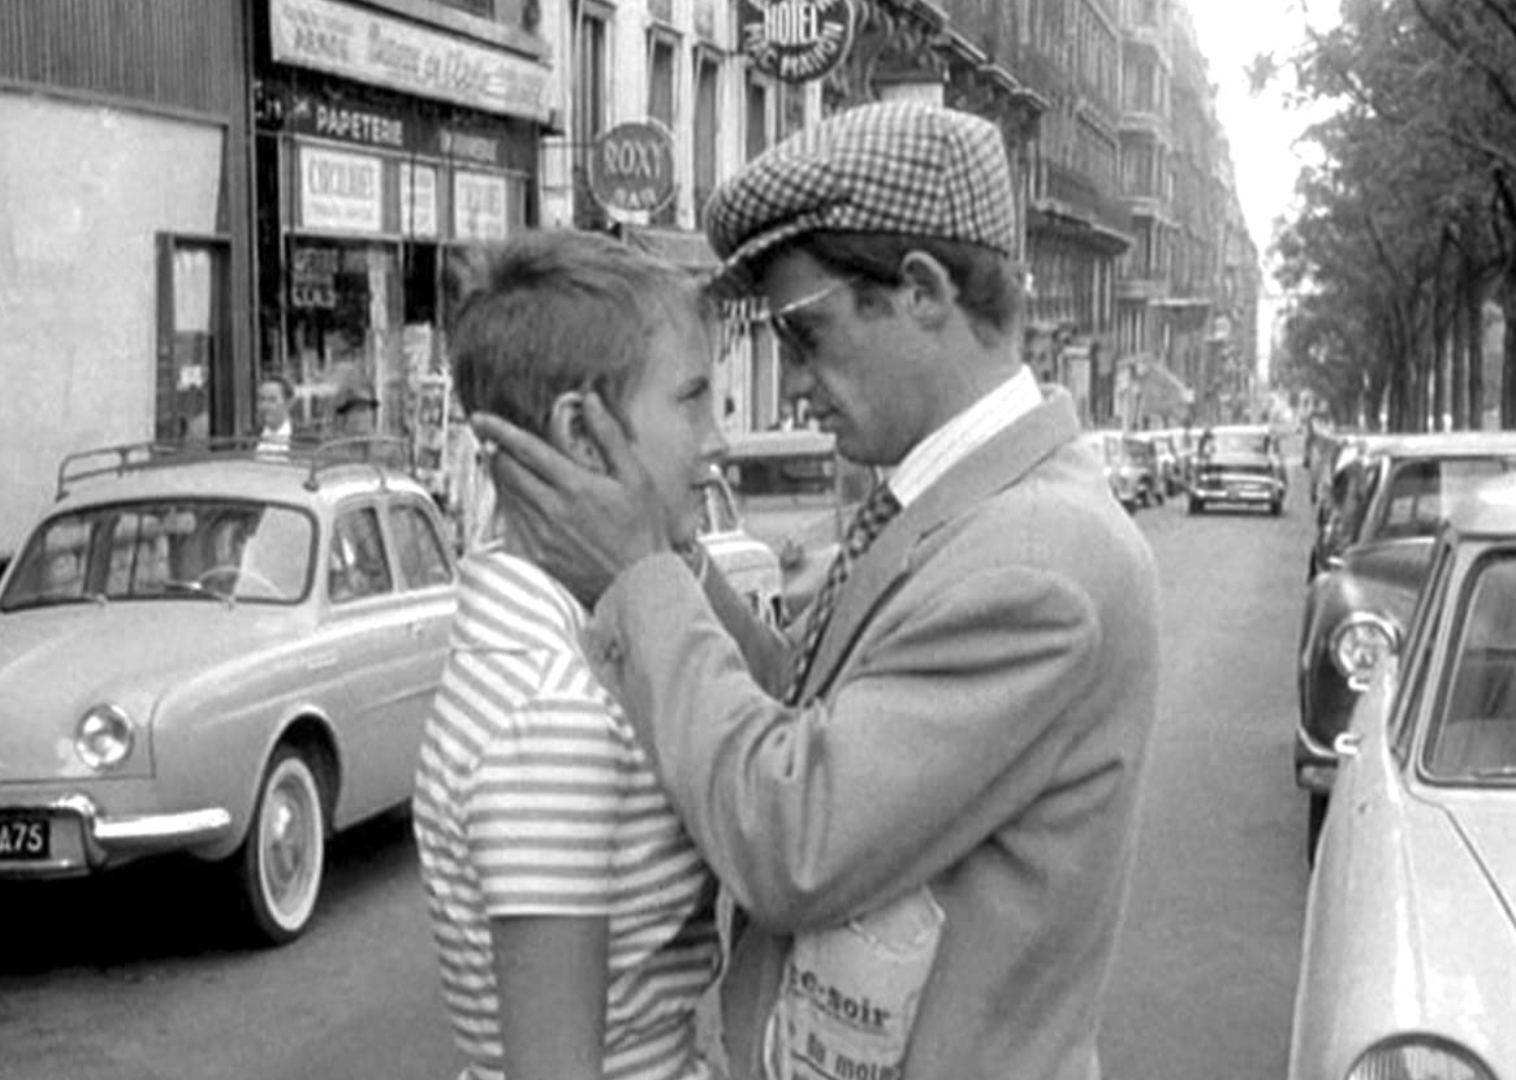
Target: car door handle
pixel 1347 744
pixel 322 662
pixel 415 629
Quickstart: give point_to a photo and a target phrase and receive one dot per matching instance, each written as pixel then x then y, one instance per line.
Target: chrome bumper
pixel 82 839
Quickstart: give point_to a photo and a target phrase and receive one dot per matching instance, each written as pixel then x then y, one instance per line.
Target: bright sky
pixel 1260 129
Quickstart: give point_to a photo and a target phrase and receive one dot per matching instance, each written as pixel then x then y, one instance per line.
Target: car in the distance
pixel 1357 607
pixel 749 565
pixel 1240 464
pixel 1408 955
pixel 797 495
pixel 1122 474
pixel 213 651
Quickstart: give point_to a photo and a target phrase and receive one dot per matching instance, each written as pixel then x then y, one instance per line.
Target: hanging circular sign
pixel 632 168
pixel 796 40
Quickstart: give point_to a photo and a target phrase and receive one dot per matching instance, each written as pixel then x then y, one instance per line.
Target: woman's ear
pixel 568 432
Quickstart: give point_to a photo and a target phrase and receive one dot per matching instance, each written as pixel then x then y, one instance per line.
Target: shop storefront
pixel 375 180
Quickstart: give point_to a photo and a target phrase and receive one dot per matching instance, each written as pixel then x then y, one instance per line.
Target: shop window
pixel 193 383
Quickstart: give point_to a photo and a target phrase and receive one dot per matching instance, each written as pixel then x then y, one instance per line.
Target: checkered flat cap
pixel 887 168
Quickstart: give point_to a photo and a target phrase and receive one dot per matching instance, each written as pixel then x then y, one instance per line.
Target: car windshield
pixel 1236 442
pixel 1476 737
pixel 1420 493
pixel 789 475
pixel 179 548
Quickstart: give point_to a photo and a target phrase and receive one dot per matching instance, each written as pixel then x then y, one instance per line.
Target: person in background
pixel 573 918
pixel 276 427
pixel 355 408
pixel 925 802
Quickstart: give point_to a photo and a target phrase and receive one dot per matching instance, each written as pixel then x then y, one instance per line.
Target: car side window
pixel 418 549
pixel 355 565
pixel 1416 652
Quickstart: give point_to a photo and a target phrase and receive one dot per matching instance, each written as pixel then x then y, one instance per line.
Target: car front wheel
pixel 281 863
pixel 1196 505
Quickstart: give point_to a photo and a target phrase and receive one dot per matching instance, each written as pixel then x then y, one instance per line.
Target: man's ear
pixel 930 292
pixel 568 432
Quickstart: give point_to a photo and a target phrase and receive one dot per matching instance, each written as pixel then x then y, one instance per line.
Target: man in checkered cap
pixel 923 800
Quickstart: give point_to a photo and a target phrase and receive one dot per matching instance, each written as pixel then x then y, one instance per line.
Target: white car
pixel 749 565
pixel 1408 965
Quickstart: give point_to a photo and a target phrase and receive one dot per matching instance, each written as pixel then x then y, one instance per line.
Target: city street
pixel 129 978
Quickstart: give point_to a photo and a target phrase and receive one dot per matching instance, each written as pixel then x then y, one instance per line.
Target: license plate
pixel 23 839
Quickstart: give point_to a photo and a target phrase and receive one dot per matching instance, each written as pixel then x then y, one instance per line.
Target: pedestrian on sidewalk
pixel 925 801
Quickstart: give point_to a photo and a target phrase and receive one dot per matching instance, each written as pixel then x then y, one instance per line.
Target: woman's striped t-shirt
pixel 533 798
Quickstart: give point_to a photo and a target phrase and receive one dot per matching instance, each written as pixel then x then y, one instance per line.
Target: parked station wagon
pixel 218 652
pixel 1408 964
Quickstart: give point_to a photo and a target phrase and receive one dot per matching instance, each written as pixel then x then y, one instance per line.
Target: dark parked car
pixel 1357 607
pixel 1238 463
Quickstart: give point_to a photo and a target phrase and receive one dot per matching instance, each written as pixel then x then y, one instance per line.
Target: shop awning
pixel 1163 392
pixel 687 249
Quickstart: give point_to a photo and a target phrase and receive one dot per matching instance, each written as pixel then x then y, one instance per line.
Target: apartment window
pixel 707 108
pixel 591 57
pixel 757 113
pixel 662 101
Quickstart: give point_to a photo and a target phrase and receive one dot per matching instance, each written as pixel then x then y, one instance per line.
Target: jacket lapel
pixel 992 468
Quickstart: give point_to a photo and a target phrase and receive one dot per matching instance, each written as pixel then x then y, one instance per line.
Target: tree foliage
pixel 1408 223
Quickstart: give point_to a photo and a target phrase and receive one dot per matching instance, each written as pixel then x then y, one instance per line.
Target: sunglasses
pixel 795 338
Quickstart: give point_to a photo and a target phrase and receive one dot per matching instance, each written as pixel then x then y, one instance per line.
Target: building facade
pixel 214 191
pixel 125 232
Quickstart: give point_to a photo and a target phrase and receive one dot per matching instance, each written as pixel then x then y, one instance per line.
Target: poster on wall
pixel 341 192
pixel 479 201
pixel 418 200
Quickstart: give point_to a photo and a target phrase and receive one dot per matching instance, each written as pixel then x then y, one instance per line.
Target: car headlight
pixel 1359 643
pixel 1418 1057
pixel 104 738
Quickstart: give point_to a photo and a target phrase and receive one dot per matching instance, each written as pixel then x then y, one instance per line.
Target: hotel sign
pixel 795 40
pixel 330 36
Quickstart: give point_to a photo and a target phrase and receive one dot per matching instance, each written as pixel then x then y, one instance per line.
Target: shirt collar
pixel 963 434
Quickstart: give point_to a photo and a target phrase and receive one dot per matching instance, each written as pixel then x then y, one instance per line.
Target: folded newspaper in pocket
pixel 849 996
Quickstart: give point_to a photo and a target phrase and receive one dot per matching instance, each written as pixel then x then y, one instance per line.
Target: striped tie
pixel 872 517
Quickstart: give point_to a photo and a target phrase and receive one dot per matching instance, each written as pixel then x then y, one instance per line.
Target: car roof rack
pixel 378 451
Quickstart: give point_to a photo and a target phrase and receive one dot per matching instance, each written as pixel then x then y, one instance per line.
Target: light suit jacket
pixel 977 720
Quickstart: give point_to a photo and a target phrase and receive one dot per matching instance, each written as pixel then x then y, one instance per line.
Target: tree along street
pixel 130 977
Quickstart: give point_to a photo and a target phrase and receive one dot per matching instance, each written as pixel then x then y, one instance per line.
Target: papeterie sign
pixel 632 168
pixel 796 40
pixel 363 45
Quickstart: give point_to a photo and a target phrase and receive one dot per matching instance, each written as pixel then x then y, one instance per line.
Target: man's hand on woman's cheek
pixel 583 527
